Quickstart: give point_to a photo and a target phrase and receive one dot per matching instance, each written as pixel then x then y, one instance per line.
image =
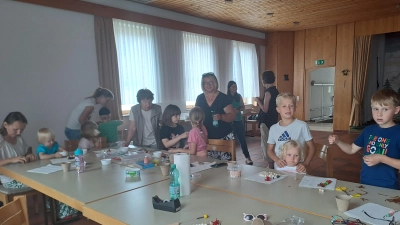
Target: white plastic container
pixel 235 171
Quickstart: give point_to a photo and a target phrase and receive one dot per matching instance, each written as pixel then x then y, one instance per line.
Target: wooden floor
pixel 345 167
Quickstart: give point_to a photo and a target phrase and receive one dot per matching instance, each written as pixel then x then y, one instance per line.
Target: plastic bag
pixel 293 220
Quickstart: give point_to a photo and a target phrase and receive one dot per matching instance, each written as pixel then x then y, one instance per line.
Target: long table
pixel 135 207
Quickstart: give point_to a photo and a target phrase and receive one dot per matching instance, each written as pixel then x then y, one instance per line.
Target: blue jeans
pixel 238 130
pixel 72 134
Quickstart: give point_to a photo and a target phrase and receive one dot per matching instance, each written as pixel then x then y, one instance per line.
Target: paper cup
pixel 171 158
pixel 343 202
pixel 165 168
pixel 66 166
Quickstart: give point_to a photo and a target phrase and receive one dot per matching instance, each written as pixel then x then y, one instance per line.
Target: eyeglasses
pixel 249 217
pixel 391 222
pixel 348 221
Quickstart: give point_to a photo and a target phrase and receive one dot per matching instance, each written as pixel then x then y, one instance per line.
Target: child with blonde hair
pixel 48 148
pixel 89 132
pixel 292 153
pixel 197 139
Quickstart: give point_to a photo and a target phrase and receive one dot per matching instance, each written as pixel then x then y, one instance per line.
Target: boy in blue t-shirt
pixel 381 142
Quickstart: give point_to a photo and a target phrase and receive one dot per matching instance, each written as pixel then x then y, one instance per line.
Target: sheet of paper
pixel 374 210
pixel 312 182
pixel 261 179
pixel 61 160
pixel 46 169
pixel 197 167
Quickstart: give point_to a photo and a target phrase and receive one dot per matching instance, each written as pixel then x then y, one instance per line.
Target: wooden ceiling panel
pixel 252 14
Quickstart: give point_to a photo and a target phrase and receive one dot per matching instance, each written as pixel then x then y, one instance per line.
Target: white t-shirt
pixel 8 150
pixel 148 133
pixel 298 130
pixel 73 122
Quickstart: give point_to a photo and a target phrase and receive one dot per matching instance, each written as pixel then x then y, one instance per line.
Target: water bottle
pixel 79 161
pixel 174 186
pixel 215 122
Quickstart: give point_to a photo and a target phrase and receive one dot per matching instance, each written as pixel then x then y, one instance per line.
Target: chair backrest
pixel 264 138
pixel 15 212
pixel 72 145
pixel 222 146
pixel 322 152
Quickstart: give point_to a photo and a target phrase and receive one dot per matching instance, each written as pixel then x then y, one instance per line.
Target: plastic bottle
pixel 174 186
pixel 79 161
pixel 215 122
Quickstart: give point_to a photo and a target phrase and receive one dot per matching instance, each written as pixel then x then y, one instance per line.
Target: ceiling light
pixel 296 23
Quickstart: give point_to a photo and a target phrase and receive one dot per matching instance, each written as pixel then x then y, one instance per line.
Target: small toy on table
pixel 269 175
pixel 326 183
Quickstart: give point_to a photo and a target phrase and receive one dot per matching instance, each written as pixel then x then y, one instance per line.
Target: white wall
pixel 48 64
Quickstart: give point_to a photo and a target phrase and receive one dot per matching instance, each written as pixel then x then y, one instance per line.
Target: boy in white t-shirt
pixel 289 128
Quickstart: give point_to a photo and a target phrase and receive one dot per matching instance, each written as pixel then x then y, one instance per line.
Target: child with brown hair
pixel 381 142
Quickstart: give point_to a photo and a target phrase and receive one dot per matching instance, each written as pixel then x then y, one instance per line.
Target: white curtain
pixel 137 61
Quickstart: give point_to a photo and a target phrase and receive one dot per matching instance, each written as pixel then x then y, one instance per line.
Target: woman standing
pixel 82 112
pixel 238 128
pixel 268 113
pixel 218 112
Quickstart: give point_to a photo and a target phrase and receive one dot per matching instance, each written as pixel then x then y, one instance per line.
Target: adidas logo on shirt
pixel 284 137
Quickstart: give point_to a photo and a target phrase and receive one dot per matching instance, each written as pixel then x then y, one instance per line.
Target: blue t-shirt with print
pixel 384 141
pixel 46 150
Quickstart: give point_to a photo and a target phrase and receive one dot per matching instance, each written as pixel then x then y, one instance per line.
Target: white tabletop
pixel 287 192
pixel 135 207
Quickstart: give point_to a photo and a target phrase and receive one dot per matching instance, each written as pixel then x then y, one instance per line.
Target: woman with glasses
pixel 219 113
pixel 238 128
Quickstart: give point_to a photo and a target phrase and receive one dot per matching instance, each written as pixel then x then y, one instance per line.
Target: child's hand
pixel 333 139
pixel 172 151
pixel 372 160
pixel 57 155
pixel 301 168
pixel 281 163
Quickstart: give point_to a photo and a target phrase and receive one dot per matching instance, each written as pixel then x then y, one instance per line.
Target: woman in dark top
pixel 238 128
pixel 172 134
pixel 268 113
pixel 218 112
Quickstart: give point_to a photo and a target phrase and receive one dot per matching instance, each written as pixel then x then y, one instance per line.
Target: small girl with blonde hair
pixel 197 139
pixel 292 152
pixel 89 132
pixel 48 148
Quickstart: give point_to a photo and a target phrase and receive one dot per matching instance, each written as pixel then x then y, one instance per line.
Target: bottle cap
pixel 173 166
pixel 78 151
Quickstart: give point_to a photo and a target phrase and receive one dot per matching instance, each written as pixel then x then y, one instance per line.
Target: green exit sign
pixel 319 62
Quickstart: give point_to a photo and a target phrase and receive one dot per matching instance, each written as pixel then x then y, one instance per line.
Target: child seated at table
pixel 292 153
pixel 108 127
pixel 48 148
pixel 89 133
pixel 172 134
pixel 198 139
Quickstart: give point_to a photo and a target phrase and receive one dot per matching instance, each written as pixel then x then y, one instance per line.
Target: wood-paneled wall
pixel 320 44
pixel 377 26
pixel 299 72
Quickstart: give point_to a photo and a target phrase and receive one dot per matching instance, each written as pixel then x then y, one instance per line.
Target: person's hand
pixel 18 159
pixel 186 146
pixel 333 139
pixel 301 168
pixel 372 160
pixel 57 155
pixel 184 135
pixel 125 144
pixel 30 157
pixel 217 117
pixel 281 163
pixel 172 151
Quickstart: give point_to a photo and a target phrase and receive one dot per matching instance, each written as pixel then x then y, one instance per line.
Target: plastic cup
pixel 66 166
pixel 157 154
pixel 343 202
pixel 165 168
pixel 231 163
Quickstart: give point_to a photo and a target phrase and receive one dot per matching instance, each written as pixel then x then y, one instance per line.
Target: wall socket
pixel 297 98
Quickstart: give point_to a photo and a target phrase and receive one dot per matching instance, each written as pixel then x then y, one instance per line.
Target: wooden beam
pixel 106 11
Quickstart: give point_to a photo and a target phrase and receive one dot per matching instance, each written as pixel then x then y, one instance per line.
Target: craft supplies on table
pixel 265 177
pixel 373 214
pixel 46 169
pixel 314 182
pixel 197 166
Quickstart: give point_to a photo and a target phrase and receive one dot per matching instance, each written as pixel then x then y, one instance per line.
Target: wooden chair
pixel 15 212
pixel 264 144
pixel 222 146
pixel 72 145
pixel 7 195
pixel 323 153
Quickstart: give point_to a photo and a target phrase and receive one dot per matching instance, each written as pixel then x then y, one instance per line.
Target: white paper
pixel 261 179
pixel 312 182
pixel 373 210
pixel 182 162
pixel 61 160
pixel 197 167
pixel 46 169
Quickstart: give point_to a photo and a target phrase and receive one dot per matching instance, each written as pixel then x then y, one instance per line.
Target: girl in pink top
pixel 197 139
